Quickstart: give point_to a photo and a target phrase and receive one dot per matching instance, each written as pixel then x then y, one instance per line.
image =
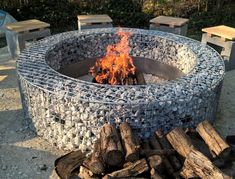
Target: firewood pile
pixel 118 153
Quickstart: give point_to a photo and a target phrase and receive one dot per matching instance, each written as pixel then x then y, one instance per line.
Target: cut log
pixel 202 166
pixel 167 146
pixel 154 174
pixel 129 142
pixel 111 145
pixel 187 173
pixel 140 78
pixel 133 170
pixel 180 141
pixel 150 152
pixel 85 173
pixel 216 144
pixel 66 164
pixel 156 162
pixel 95 162
pixel 156 145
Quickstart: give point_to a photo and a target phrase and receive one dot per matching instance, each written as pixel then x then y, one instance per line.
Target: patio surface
pixel 24 155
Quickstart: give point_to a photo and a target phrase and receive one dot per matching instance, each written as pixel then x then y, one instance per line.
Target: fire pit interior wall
pixel 69 112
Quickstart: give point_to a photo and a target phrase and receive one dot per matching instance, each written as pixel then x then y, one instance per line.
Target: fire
pixel 116 67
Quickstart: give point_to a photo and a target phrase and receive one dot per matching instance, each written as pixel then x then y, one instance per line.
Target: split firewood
pixel 140 78
pixel 180 141
pixel 133 170
pixel 187 173
pixel 127 164
pixel 154 174
pixel 156 145
pixel 216 144
pixel 162 152
pixel 111 145
pixel 66 164
pixel 95 162
pixel 85 173
pixel 130 144
pixel 202 166
pixel 166 145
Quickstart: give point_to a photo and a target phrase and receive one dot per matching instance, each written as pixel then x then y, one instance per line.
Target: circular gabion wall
pixel 69 112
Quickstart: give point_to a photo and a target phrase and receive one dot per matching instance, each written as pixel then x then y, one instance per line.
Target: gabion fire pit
pixel 69 112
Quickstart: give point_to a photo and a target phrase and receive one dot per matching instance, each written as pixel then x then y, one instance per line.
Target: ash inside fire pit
pixel 154 71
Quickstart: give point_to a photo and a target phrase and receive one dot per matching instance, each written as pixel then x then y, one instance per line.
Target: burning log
pixel 129 143
pixel 110 145
pixel 140 78
pixel 180 141
pixel 132 170
pixel 202 166
pixel 216 144
pixel 95 163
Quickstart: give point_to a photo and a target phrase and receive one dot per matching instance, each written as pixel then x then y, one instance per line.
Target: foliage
pixel 62 14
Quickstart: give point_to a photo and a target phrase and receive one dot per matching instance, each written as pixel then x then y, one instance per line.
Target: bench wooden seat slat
pixel 27 25
pixel 171 21
pixel 221 31
pixel 94 18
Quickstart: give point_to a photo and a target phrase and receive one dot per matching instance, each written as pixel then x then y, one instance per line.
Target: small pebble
pixel 4 167
pixel 43 167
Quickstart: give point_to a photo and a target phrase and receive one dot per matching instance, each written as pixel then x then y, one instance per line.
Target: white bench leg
pixel 204 38
pixel 13 43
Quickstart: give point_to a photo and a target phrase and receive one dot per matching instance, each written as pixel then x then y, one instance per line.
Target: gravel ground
pixel 24 155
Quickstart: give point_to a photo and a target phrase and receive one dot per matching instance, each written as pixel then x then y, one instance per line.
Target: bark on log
pixel 166 145
pixel 135 169
pixel 180 141
pixel 216 144
pixel 66 164
pixel 129 143
pixel 202 166
pixel 95 162
pixel 111 145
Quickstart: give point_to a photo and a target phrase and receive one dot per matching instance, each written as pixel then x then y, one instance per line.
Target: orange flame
pixel 116 66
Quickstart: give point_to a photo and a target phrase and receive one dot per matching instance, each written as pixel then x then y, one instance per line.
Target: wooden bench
pixel 170 24
pixel 19 32
pixel 222 36
pixel 94 21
